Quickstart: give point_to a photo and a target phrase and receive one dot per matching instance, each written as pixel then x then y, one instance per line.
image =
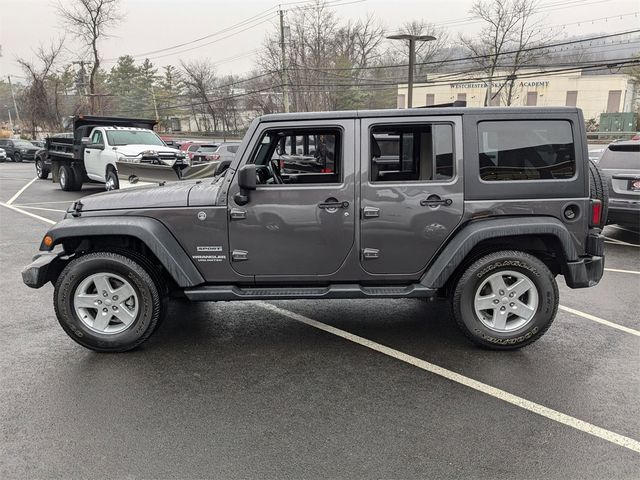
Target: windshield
pixel 22 143
pixel 208 148
pixel 133 137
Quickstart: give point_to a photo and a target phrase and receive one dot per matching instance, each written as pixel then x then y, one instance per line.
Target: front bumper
pixel 45 267
pixel 588 270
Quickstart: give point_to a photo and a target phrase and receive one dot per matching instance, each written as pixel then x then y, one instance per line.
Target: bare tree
pixel 41 96
pixel 510 28
pixel 199 79
pixel 89 21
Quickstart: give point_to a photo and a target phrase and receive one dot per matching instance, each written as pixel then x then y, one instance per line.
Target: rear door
pixel 412 193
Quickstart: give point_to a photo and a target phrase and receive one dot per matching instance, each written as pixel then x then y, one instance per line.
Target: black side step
pixel 229 292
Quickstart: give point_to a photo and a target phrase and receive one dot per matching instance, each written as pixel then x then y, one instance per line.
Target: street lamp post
pixel 412 57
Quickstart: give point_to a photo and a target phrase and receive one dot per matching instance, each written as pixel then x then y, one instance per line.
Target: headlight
pixel 129 159
pixel 181 155
pixel 149 153
pixel 23 150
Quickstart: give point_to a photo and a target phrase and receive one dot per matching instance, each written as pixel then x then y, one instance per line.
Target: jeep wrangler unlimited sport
pixel 483 206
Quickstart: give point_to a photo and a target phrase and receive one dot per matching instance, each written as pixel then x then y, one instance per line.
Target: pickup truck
pixel 96 147
pixel 484 207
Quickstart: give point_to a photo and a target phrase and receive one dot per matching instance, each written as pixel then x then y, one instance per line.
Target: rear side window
pixel 526 150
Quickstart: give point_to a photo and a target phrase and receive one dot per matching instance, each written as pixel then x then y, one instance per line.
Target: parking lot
pixel 314 389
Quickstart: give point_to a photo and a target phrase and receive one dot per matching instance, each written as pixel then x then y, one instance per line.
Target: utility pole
pixel 15 105
pixel 10 119
pixel 285 86
pixel 412 58
pixel 155 105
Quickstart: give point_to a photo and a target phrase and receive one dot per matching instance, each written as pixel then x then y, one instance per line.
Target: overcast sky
pixel 151 25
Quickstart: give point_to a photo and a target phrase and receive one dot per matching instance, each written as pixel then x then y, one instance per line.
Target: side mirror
pixel 247 182
pixel 85 141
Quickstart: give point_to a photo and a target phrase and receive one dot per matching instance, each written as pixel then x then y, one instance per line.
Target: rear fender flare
pixel 149 231
pixel 462 242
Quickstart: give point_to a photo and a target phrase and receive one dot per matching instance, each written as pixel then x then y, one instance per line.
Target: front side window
pixel 96 138
pixel 526 150
pixel 299 156
pixel 412 152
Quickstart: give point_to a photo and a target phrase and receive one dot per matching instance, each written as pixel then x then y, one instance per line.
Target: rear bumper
pixel 45 267
pixel 588 270
pixel 624 211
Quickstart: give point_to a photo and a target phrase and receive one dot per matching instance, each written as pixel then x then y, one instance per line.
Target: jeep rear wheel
pixel 107 302
pixel 505 300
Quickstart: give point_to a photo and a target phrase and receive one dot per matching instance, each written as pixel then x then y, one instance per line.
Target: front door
pixel 300 221
pixel 412 190
pixel 92 157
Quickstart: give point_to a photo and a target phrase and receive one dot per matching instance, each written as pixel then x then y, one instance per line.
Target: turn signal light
pixel 596 212
pixel 47 241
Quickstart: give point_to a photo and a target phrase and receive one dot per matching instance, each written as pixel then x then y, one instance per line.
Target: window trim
pixel 451 181
pixel 528 181
pixel 264 131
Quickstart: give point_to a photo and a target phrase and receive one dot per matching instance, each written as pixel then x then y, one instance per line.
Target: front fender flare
pixel 465 239
pixel 149 231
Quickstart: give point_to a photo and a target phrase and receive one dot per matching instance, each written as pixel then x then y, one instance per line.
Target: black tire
pixel 112 182
pixel 599 190
pixel 77 180
pixel 42 172
pixel 150 307
pixel 17 157
pixel 67 178
pixel 472 280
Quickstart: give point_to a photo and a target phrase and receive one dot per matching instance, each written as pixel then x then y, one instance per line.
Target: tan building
pixel 594 94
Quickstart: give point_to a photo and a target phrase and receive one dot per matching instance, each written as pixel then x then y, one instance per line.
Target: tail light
pixel 596 213
pixel 215 156
pixel 281 164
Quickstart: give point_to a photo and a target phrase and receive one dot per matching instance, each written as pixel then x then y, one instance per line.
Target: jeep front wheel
pixel 107 302
pixel 505 300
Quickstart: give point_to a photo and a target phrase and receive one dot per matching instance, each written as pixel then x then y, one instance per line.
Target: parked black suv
pixel 18 150
pixel 483 206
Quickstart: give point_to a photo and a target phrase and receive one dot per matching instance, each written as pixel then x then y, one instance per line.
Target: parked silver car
pixel 620 163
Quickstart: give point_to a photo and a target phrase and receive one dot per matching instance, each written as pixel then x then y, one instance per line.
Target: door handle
pixel 370 212
pixel 333 205
pixel 237 214
pixel 435 201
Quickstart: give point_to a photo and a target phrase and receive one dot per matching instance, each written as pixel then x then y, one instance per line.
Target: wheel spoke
pixel 102 320
pixel 124 315
pixel 123 293
pixel 499 319
pixel 86 300
pixel 523 310
pixel 519 288
pixel 498 285
pixel 486 302
pixel 102 284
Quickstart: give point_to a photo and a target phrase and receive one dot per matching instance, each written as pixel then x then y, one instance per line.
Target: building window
pixel 431 99
pixel 526 150
pixel 613 102
pixel 462 97
pixel 411 153
pixel 532 99
pixel 400 101
pixel 572 98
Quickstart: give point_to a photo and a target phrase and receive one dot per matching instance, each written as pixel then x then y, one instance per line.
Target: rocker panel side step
pixel 230 292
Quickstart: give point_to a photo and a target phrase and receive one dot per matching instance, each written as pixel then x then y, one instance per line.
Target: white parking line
pixel 13 199
pixel 520 402
pixel 24 212
pixel 617 270
pixel 619 242
pixel 625 229
pixel 40 208
pixel 68 202
pixel 588 316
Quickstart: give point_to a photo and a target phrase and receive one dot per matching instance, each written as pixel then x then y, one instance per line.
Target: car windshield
pixel 133 137
pixel 22 143
pixel 208 148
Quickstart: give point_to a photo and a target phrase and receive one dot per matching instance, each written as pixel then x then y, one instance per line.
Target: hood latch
pixel 77 208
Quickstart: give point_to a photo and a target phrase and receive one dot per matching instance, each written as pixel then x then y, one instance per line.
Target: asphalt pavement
pixel 314 389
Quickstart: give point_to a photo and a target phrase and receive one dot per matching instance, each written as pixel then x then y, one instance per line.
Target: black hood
pixel 174 194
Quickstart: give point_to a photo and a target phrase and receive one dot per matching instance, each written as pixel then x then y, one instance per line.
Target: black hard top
pixel 418 112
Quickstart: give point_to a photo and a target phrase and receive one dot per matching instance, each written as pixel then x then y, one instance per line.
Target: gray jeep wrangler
pixel 483 206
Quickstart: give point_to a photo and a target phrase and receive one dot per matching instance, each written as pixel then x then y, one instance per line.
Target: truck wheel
pixel 599 190
pixel 107 302
pixel 67 178
pixel 505 300
pixel 17 158
pixel 41 171
pixel 112 182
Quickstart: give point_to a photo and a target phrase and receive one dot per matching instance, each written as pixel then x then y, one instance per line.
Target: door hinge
pixel 370 253
pixel 370 212
pixel 237 214
pixel 239 255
